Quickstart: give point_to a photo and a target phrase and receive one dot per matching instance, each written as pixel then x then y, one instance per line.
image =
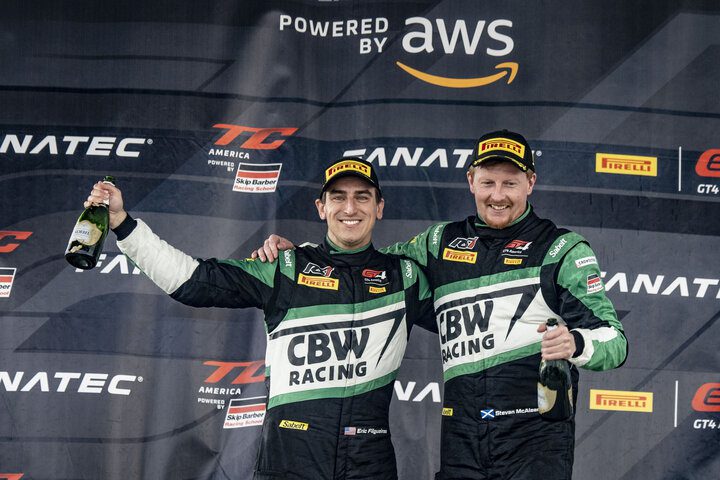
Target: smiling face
pixel 501 191
pixel 350 208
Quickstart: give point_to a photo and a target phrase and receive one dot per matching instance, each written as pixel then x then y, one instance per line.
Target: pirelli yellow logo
pixel 621 400
pixel 378 289
pixel 347 165
pixel 447 412
pixel 512 261
pixel 459 256
pixel 625 164
pixel 319 282
pixel 293 425
pixel 502 144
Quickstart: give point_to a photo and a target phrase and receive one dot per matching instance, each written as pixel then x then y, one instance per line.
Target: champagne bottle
pixel 554 387
pixel 87 238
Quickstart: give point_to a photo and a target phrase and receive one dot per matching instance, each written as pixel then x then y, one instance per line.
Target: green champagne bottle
pixel 87 238
pixel 554 387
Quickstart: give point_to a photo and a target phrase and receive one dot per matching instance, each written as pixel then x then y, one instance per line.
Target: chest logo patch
pixel 516 248
pixel 315 276
pixel 293 425
pixel 463 243
pixel 459 256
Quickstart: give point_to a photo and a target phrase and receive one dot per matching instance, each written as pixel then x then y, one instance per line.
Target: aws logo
pixel 492 36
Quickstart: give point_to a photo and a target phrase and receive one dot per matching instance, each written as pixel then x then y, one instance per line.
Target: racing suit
pixel 491 290
pixel 337 326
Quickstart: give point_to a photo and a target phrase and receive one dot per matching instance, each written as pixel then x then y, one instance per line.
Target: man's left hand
pixel 557 344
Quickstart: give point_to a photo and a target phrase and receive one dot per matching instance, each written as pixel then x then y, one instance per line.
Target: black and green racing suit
pixel 337 326
pixel 492 288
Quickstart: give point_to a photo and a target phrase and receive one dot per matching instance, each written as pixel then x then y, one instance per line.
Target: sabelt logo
pixel 293 425
pixel 260 138
pixel 459 256
pixel 708 165
pixel 556 248
pixel 707 398
pixel 451 34
pixel 621 400
pixel 626 164
pixel 6 237
pixel 347 165
pixel 319 282
pixel 73 145
pixel 504 144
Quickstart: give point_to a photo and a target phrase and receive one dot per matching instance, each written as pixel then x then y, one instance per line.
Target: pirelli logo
pixel 293 425
pixel 459 256
pixel 318 282
pixel 625 164
pixel 502 144
pixel 620 400
pixel 512 261
pixel 377 289
pixel 347 165
pixel 447 412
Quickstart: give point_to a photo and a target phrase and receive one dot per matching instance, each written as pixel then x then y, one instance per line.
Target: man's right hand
pixel 271 248
pixel 111 195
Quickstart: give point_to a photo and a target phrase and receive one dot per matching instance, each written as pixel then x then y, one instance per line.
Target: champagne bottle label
pixel 86 233
pixel 546 398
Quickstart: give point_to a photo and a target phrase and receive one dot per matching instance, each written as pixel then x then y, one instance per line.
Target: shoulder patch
pixel 584 262
pixel 409 274
pixel 561 246
pixel 287 264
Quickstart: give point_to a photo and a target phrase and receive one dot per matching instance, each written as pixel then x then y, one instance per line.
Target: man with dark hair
pixel 337 316
pixel 497 277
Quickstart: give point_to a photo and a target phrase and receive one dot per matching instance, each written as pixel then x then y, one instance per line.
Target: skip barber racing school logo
pixel 315 276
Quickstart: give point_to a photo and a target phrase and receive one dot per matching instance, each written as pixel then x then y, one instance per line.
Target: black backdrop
pixel 102 376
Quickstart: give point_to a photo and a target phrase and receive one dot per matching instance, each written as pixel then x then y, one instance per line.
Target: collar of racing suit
pixel 357 257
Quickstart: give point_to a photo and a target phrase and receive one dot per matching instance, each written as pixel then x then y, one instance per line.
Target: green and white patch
pixel 472 316
pixel 332 351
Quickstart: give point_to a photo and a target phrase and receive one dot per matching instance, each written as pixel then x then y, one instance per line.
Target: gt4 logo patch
pixel 374 277
pixel 376 280
pixel 517 248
